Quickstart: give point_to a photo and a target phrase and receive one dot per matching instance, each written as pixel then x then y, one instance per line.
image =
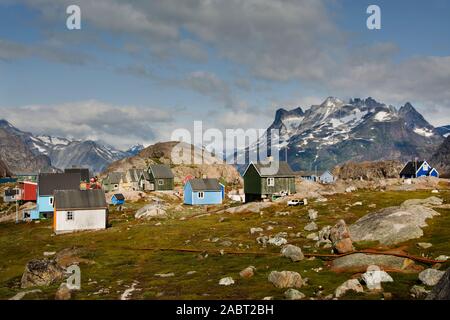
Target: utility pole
pixel 17 212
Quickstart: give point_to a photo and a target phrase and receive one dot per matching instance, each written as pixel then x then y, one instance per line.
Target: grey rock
pixel 293 294
pixel 430 277
pixel 63 293
pixel 286 279
pixel 349 285
pixel 313 214
pixel 419 292
pixel 292 252
pixel 41 273
pixel 374 276
pixel 312 226
pixel 441 291
pixel 360 262
pixel 393 225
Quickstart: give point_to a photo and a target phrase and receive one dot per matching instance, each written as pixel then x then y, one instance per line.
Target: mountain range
pixel 335 132
pixel 23 151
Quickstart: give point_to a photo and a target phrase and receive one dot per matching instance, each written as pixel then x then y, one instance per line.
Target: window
pixel 160 182
pixel 116 186
pixel 50 200
pixel 69 215
pixel 201 195
pixel 270 182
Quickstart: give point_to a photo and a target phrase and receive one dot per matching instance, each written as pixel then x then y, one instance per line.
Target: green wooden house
pixel 159 177
pixel 260 184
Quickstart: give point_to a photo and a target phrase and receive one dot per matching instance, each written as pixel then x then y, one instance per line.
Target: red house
pixel 29 191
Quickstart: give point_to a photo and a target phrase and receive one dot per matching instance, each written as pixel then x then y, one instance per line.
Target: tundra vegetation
pixel 127 259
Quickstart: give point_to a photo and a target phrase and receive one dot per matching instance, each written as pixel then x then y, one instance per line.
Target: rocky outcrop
pixel 4 171
pixel 151 211
pixel 441 158
pixel 394 225
pixel 349 285
pixel 286 279
pixel 369 170
pixel 162 153
pixel 441 290
pixel 340 238
pixel 359 262
pixel 431 277
pixel 41 273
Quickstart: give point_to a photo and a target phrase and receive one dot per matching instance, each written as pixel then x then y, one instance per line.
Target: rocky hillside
pixel 64 153
pixel 4 171
pixel 335 131
pixel 16 154
pixel 162 153
pixel 441 158
pixel 369 170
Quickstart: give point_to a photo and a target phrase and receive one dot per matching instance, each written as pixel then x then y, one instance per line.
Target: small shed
pixel 29 191
pixel 327 177
pixel 160 177
pixel 203 191
pixel 118 199
pixel 77 210
pixel 12 195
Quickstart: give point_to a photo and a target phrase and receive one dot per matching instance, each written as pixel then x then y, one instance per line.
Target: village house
pixel 12 195
pixel 117 199
pixel 84 173
pixel 112 181
pixel 48 183
pixel 158 177
pixel 308 175
pixel 130 180
pixel 77 210
pixel 416 169
pixel 327 177
pixel 203 192
pixel 258 185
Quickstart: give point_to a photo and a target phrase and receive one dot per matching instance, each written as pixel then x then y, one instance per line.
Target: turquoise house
pixel 48 183
pixel 117 199
pixel 203 192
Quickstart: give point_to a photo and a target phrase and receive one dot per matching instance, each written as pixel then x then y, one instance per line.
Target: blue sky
pixel 160 65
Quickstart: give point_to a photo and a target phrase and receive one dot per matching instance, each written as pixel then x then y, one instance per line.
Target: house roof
pixel 327 172
pixel 205 185
pixel 49 182
pixel 411 167
pixel 84 172
pixel 146 175
pixel 114 177
pixel 134 175
pixel 80 199
pixel 284 170
pixel 161 171
pixel 306 173
pixel 119 196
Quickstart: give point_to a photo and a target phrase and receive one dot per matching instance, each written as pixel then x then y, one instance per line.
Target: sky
pixel 137 70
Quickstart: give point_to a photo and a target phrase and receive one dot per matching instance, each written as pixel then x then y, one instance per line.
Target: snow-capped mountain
pixel 64 153
pixel 444 130
pixel 134 150
pixel 361 129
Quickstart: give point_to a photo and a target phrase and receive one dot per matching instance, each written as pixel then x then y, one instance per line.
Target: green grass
pixel 120 259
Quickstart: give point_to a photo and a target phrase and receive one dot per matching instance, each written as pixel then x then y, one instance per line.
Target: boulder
pixel 41 273
pixel 340 238
pixel 248 272
pixel 441 290
pixel 419 292
pixel 292 252
pixel 424 245
pixel 277 241
pixel 227 281
pixel 312 214
pixel 374 276
pixel 293 294
pixel 256 230
pixel 430 277
pixel 394 225
pixel 21 295
pixel 349 285
pixel 286 279
pixel 150 211
pixel 312 226
pixel 253 207
pixel 359 262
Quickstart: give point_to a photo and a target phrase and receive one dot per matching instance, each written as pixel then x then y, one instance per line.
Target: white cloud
pixel 120 126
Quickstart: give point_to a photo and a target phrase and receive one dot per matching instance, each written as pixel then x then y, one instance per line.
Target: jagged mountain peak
pixel 332 102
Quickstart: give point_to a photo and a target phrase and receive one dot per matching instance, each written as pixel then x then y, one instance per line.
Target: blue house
pixel 416 169
pixel 48 183
pixel 203 191
pixel 117 199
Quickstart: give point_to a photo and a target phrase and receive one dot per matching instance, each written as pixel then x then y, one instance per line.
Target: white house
pixel 77 210
pixel 327 177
